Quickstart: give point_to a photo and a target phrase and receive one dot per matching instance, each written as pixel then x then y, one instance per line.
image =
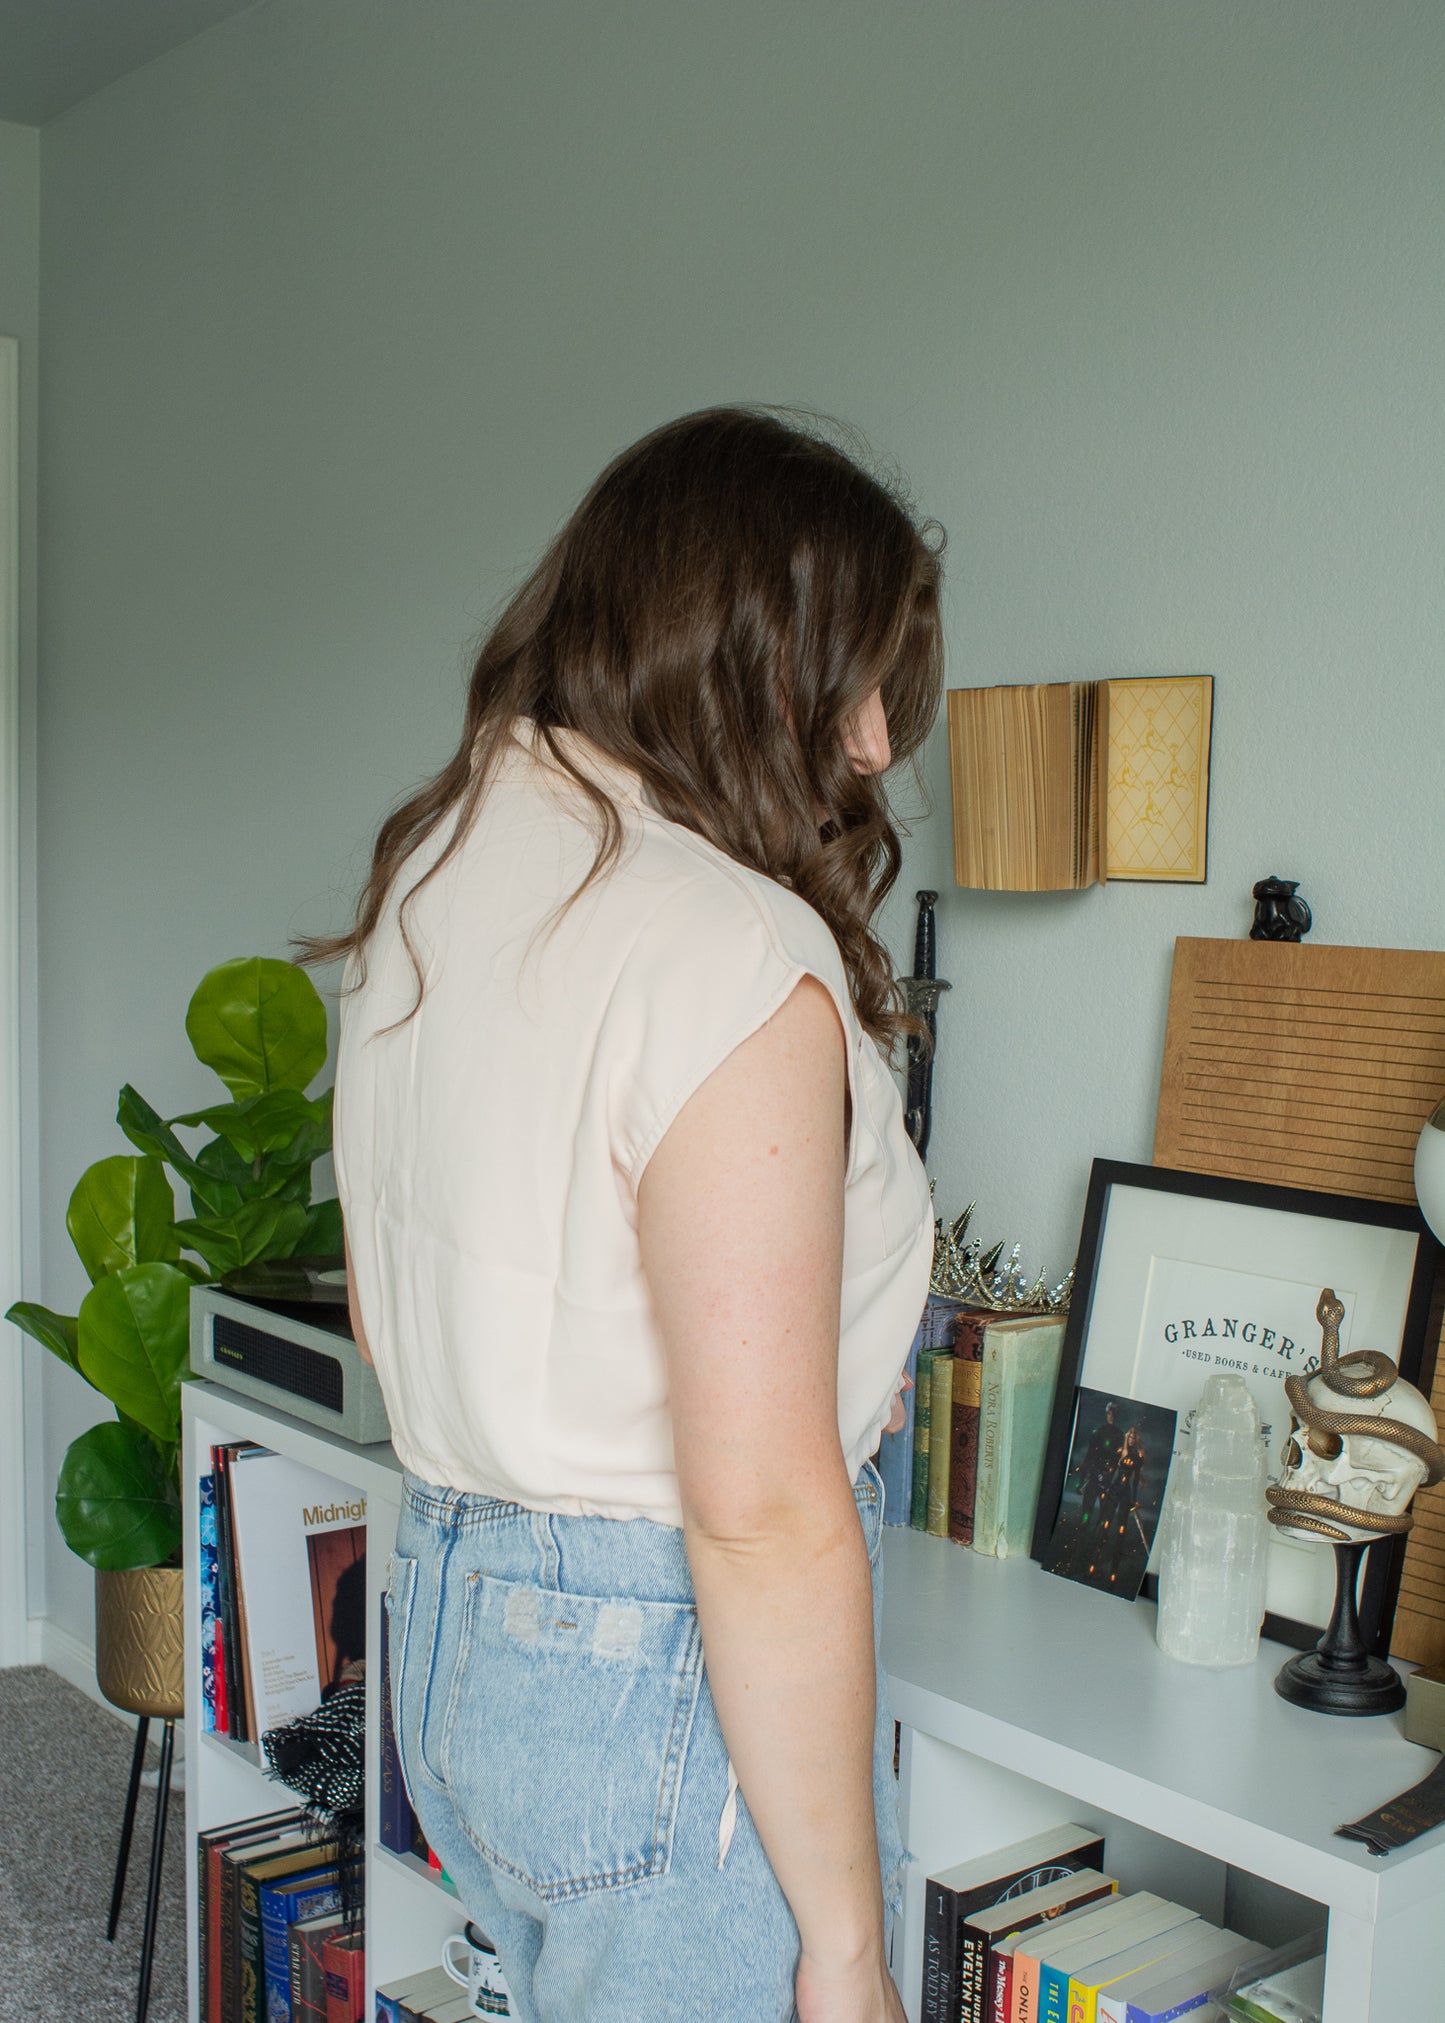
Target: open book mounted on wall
pixel 1058 785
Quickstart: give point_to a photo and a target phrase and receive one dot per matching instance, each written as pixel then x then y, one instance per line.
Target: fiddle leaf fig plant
pixel 261 1026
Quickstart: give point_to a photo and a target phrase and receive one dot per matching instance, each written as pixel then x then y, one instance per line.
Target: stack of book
pixel 969 1458
pixel 275 1946
pixel 1038 1933
pixel 283 1589
pixel 431 1997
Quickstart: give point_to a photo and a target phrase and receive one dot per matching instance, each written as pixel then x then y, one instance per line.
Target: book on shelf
pixel 306 1966
pixel 315 1893
pixel 955 1893
pixel 959 1490
pixel 299 1541
pixel 230 1690
pixel 1060 785
pixel 895 1450
pixel 207 1575
pixel 940 1439
pixel 1089 1983
pixel 1179 1985
pixel 210 1845
pixel 1018 1373
pixel 415 1995
pixel 399 1827
pixel 981 1935
pixel 1110 1928
pixel 343 1956
pixel 248 1968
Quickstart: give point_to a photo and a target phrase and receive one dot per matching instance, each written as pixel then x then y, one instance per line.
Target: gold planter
pixel 140 1642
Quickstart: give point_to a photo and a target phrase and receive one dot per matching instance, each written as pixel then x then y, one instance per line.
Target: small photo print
pixel 1118 1466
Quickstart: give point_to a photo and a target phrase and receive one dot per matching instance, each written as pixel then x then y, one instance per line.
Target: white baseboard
pixel 73 1659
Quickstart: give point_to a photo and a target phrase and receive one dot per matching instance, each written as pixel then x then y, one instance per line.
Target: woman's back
pixel 490 1146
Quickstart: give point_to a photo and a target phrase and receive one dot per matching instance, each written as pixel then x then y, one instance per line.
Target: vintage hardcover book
pixel 314 1893
pixel 343 1955
pixel 306 1966
pixel 225 1957
pixel 1058 785
pixel 981 1931
pixel 922 1437
pixel 940 1440
pixel 955 1893
pixel 209 1847
pixel 249 1970
pixel 968 1334
pixel 1017 1376
pixel 1122 1923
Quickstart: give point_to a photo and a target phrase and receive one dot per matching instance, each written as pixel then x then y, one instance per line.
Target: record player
pixel 279 1332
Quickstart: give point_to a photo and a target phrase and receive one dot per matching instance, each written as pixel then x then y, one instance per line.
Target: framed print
pixel 1184 1275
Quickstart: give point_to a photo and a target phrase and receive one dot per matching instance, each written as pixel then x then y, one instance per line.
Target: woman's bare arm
pixel 741 1226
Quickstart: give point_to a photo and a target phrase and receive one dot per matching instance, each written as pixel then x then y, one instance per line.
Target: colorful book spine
pixel 281 1906
pixel 968 1335
pixel 940 1445
pixel 306 1972
pixel 206 1577
pixel 343 1956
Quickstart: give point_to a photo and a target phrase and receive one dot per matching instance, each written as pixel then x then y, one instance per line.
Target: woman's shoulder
pixel 715 902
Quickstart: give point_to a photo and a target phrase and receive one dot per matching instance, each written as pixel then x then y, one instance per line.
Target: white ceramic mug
pixel 472 1963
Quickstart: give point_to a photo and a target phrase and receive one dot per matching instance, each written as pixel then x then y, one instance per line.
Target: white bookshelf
pixel 409 1911
pixel 1027 1701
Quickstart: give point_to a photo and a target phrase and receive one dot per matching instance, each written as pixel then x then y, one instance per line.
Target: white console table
pixel 1026 1701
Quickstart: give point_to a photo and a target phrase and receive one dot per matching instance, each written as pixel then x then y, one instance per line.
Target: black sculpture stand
pixel 1339 1676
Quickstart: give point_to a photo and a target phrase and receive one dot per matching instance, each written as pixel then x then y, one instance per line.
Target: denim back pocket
pixel 567 1731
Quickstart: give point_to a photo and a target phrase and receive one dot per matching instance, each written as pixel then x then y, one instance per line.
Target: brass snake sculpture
pixel 1365 1373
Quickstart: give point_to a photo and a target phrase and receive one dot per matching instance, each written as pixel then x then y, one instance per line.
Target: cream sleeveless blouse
pixel 489 1149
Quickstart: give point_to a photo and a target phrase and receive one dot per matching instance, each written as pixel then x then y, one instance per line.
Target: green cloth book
pixel 1019 1372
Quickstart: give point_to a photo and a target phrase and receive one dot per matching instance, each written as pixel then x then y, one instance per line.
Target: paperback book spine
pixel 305 1975
pixel 938 1929
pixel 968 1337
pixel 206 1580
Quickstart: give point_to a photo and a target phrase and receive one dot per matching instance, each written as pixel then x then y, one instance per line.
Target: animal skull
pixel 1354 1470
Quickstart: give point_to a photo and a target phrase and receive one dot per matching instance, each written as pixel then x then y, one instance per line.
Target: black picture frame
pixel 1383 1564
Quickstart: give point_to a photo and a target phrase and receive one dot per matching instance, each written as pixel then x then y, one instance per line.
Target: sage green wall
pixel 345 303
pixel 20 319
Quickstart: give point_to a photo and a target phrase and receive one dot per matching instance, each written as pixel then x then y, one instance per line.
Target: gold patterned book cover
pixel 1157 820
pixel 1059 785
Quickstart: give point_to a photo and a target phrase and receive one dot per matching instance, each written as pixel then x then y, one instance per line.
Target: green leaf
pixel 55 1332
pixel 266 1228
pixel 322 1235
pixel 148 1131
pixel 284 1121
pixel 134 1343
pixel 116 1501
pixel 260 1024
pixel 120 1214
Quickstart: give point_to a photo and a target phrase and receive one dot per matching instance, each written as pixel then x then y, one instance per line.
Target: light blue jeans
pixel 562 1752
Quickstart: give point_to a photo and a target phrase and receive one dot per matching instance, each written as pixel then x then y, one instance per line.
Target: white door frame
pixel 14 1633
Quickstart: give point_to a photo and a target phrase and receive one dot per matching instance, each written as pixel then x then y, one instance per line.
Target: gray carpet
pixel 63 1767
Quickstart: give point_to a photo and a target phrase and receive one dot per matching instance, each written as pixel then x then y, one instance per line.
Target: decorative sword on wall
pixel 921 993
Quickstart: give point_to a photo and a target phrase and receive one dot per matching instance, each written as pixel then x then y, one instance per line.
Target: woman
pixel 638 1241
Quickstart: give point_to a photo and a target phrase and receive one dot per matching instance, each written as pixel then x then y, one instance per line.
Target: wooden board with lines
pixel 1316 1067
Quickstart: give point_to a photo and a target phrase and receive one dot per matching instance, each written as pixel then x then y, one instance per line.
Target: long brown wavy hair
pixel 726 596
